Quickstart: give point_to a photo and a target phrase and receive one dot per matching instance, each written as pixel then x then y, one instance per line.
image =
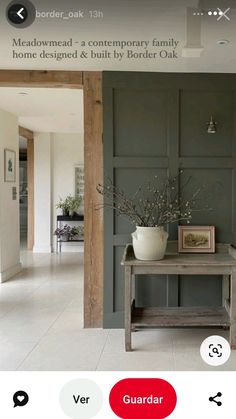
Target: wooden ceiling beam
pixel 35 78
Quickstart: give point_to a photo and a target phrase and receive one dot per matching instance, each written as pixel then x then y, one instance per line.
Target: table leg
pixel 233 310
pixel 225 289
pixel 128 293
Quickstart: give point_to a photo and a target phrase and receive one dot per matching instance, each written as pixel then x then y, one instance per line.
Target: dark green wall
pixel 155 123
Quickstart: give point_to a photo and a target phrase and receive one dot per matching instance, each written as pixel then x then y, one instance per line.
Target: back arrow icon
pixel 19 13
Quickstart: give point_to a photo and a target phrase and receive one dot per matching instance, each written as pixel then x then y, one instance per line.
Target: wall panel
pixel 155 123
pixel 148 108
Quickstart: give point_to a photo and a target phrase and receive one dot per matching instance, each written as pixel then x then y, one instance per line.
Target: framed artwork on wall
pixel 79 183
pixel 196 239
pixel 9 165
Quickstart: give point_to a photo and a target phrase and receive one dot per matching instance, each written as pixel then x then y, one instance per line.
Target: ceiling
pixel 45 110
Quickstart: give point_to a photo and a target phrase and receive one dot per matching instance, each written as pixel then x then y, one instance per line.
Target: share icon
pixel 212 399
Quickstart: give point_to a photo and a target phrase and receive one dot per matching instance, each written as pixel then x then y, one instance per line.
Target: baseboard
pixel 75 250
pixel 71 249
pixel 42 249
pixel 10 272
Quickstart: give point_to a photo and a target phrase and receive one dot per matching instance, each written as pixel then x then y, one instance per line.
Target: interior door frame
pixel 29 136
pixel 91 83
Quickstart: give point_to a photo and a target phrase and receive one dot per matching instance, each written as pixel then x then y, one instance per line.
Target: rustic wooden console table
pixel 221 263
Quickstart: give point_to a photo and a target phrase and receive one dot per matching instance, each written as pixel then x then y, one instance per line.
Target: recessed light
pixel 223 42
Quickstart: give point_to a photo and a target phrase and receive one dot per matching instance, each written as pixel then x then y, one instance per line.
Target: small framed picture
pixel 196 239
pixel 79 184
pixel 9 165
pixel 79 180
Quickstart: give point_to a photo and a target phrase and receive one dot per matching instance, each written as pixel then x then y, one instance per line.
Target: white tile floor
pixel 41 327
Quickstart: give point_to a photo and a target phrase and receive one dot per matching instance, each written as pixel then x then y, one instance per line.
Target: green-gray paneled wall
pixel 155 124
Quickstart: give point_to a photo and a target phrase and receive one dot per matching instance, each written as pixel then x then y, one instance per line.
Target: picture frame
pixel 196 239
pixel 79 180
pixel 9 165
pixel 79 183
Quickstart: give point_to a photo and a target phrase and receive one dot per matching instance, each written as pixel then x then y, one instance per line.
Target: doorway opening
pixel 91 84
pixel 53 120
pixel 23 192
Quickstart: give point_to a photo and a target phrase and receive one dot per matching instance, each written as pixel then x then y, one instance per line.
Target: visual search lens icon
pixel 215 350
pixel 20 399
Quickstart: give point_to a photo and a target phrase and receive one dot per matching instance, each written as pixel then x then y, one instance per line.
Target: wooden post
pixel 93 221
pixel 128 296
pixel 225 289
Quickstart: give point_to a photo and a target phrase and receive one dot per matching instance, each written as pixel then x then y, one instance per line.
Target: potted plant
pixel 77 232
pixel 152 207
pixel 63 233
pixel 63 205
pixel 69 205
pixel 74 203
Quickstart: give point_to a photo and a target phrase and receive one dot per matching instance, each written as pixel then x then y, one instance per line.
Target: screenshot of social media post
pixel 117 209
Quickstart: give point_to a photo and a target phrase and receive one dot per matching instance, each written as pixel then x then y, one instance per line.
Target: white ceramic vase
pixel 149 243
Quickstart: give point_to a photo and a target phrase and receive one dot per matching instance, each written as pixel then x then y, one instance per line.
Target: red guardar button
pixel 141 398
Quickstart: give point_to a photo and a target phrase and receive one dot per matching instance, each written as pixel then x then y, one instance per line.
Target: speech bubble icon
pixel 20 398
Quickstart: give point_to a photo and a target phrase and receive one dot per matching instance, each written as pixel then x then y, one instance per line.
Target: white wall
pixel 42 192
pixel 56 156
pixel 9 208
pixel 68 150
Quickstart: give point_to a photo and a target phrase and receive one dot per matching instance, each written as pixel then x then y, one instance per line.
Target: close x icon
pixel 223 14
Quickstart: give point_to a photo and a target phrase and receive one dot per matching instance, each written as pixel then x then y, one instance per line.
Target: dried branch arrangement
pixel 155 203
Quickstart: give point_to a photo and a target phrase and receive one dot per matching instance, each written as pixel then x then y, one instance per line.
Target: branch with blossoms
pixel 155 203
